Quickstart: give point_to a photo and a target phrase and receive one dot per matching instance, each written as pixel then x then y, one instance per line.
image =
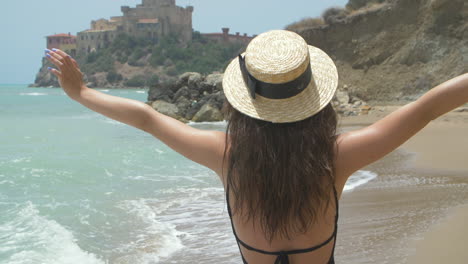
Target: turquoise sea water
pixel 77 187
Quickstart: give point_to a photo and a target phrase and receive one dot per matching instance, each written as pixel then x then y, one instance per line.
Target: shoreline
pixel 440 147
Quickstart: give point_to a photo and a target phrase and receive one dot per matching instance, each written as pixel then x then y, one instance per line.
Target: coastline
pixel 440 148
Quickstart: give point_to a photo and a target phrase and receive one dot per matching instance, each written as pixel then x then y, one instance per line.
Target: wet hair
pixel 281 174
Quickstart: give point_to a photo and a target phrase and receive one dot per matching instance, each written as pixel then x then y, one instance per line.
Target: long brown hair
pixel 281 174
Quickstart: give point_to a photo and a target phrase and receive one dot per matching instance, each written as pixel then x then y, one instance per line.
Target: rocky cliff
pixel 395 50
pixel 44 78
pixel 193 97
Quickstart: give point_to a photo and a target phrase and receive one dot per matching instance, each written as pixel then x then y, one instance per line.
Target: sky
pixel 25 23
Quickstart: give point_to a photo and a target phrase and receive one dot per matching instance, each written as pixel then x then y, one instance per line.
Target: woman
pixel 281 162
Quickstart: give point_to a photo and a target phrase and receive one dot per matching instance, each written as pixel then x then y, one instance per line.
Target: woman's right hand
pixel 68 72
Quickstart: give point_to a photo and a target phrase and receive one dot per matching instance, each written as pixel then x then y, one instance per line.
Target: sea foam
pixel 359 178
pixel 29 237
pixel 33 94
pixel 155 239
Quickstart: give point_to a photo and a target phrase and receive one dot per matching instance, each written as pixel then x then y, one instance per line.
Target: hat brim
pixel 305 104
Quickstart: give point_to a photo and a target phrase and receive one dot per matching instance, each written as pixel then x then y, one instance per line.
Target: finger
pixel 55 72
pixel 62 61
pixel 60 52
pixel 77 67
pixel 71 61
pixel 75 63
pixel 53 60
pixel 59 58
pixel 64 55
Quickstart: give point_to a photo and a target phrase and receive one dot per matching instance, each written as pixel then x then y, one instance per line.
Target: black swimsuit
pixel 283 256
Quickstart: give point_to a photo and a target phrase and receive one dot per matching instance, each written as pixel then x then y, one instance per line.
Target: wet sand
pixel 446 242
pixel 444 145
pixel 415 211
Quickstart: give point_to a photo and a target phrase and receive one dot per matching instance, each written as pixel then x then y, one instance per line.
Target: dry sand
pixel 441 146
pixel 444 145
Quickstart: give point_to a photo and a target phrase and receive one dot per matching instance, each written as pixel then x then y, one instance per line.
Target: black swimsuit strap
pixel 288 252
pixel 283 255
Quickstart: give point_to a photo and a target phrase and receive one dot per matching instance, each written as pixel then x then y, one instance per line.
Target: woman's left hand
pixel 68 72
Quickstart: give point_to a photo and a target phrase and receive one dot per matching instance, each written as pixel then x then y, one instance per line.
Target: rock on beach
pixel 198 98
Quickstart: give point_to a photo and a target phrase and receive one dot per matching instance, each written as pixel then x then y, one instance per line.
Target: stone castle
pixel 151 19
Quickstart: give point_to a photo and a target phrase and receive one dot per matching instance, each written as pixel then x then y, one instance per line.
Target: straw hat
pixel 280 78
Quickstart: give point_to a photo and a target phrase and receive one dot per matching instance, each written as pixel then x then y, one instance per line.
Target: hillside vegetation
pixel 139 62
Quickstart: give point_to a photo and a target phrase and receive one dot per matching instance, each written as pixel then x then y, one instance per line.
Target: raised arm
pixel 359 148
pixel 201 146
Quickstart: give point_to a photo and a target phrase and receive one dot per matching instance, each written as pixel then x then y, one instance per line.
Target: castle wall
pixel 148 28
pixel 93 40
pixel 173 19
pixel 103 24
pixel 151 19
pixel 158 2
pixel 225 37
pixel 65 42
pixel 69 48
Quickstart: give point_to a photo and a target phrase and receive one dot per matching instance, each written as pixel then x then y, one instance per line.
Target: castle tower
pixel 156 18
pixel 150 19
pixel 65 42
pixel 156 3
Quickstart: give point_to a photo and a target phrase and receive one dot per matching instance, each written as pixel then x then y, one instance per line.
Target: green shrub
pixel 113 77
pixel 122 59
pixel 99 61
pixel 142 81
pixel 200 55
pixel 334 14
pixel 92 57
pixel 172 71
pixel 154 79
pixel 136 81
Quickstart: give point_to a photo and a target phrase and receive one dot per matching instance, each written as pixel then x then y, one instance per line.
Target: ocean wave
pixel 200 213
pixel 21 160
pixel 113 122
pixel 29 237
pixel 33 94
pixel 359 178
pixel 154 239
pixel 87 116
pixel 219 123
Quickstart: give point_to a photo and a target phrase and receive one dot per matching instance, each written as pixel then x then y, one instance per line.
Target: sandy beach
pixel 444 145
pixel 422 221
